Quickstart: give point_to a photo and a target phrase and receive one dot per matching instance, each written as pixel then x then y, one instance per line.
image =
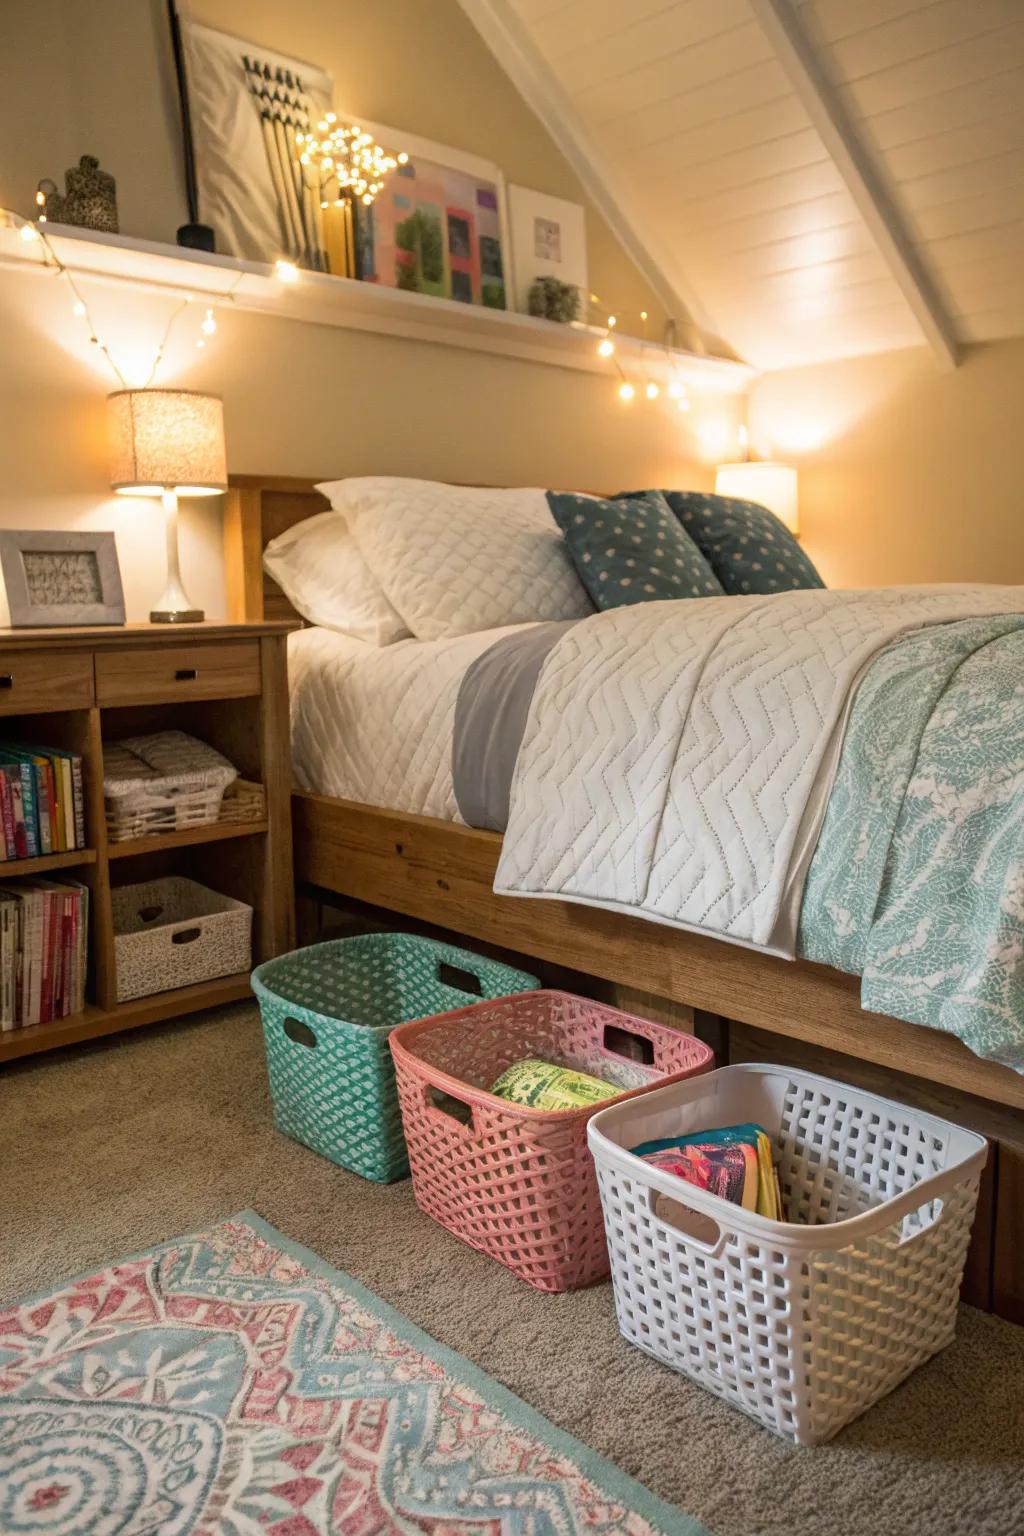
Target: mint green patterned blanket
pixel 917 882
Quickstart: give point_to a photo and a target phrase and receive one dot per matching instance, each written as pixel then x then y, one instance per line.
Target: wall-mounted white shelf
pixel 319 299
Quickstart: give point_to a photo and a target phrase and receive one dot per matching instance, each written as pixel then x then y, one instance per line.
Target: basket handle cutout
pixel 300 1033
pixel 186 935
pixel 626 1043
pixel 697 1227
pixel 454 1109
pixel 916 1223
pixel 150 914
pixel 462 980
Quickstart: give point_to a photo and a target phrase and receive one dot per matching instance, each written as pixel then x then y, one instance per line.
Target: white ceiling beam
pixel 804 70
pixel 508 40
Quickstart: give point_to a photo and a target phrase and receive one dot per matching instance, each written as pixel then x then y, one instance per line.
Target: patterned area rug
pixel 231 1384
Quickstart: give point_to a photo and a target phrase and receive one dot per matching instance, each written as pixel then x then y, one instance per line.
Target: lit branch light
pixel 346 162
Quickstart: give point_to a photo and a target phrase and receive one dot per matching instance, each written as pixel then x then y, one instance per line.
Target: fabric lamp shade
pixel 166 439
pixel 770 485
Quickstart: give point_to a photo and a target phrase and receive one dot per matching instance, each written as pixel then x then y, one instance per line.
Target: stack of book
pixel 733 1161
pixel 44 928
pixel 42 803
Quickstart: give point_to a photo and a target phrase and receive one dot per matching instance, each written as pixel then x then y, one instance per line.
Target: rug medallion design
pixel 231 1384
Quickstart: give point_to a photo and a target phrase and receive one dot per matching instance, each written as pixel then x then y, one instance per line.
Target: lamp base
pixel 176 616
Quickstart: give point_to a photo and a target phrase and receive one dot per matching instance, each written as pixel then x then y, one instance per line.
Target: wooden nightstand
pixel 224 683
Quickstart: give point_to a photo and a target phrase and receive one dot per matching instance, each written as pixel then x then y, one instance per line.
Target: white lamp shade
pixel 166 439
pixel 771 485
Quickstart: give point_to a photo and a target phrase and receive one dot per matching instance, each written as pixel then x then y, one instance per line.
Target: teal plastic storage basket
pixel 327 1012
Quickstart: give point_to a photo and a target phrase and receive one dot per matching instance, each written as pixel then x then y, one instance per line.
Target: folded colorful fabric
pixel 747 547
pixel 538 1084
pixel 632 549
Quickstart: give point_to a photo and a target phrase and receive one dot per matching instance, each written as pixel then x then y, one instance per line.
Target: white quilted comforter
pixel 678 756
pixel 375 723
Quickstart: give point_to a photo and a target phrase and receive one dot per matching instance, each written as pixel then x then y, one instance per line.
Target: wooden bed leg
pixel 308 917
pixel 714 1031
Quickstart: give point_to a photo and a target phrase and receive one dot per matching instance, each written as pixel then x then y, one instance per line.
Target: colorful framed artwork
pixel 57 578
pixel 549 239
pixel 439 226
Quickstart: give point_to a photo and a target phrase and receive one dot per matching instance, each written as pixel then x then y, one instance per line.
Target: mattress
pixel 376 723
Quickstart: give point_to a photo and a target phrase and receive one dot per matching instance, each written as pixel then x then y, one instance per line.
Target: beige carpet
pixel 113 1147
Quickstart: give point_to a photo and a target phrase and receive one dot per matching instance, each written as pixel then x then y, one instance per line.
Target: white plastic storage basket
pixel 804 1323
pixel 174 932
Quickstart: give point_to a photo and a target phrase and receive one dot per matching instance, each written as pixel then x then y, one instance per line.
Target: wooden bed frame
pixel 442 873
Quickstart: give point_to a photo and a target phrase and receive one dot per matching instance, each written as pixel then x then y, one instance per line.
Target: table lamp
pixel 771 485
pixel 168 443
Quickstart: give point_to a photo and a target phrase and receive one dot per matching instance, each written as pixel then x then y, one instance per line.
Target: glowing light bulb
pixel 652 391
pixel 643 314
pixel 286 271
pixel 78 308
pixel 606 347
pixel 675 390
pixel 209 324
pixel 28 233
pixel 626 391
pixel 402 158
pixel 683 404
pixel 611 321
pixel 40 199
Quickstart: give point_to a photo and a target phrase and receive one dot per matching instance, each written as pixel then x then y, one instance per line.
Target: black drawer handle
pixel 6 679
pixel 186 674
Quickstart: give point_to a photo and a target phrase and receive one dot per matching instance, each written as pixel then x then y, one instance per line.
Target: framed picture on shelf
pixel 548 240
pixel 438 226
pixel 55 578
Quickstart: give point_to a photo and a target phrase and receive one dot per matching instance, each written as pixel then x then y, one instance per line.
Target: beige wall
pixel 301 400
pixel 96 76
pixel 91 75
pixel 907 473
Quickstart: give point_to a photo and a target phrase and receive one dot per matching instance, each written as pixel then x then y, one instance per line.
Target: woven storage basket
pixel 162 783
pixel 174 932
pixel 519 1183
pixel 804 1323
pixel 327 1013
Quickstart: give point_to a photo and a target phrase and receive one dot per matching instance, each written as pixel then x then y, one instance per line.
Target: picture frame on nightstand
pixel 55 578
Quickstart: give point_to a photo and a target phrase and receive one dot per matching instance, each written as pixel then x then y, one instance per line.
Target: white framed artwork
pixel 549 239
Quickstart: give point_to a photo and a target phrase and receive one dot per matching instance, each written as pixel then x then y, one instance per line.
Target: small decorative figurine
pixel 90 200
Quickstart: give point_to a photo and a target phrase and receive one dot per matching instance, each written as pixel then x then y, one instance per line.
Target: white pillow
pixel 319 569
pixel 455 560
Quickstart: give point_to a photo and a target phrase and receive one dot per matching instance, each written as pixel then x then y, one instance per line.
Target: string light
pixel 626 390
pixel 652 391
pixel 676 390
pixel 79 308
pixel 606 348
pixel 344 162
pixel 286 271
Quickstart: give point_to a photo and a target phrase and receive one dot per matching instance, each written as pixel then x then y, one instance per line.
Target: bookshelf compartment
pixel 243 715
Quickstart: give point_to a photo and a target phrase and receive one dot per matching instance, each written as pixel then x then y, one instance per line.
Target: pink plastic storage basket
pixel 517 1183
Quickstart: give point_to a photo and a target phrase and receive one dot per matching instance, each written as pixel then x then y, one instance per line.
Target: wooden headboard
pixel 258 508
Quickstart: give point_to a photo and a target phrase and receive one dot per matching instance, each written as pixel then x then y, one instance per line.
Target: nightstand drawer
pixel 31 681
pixel 167 674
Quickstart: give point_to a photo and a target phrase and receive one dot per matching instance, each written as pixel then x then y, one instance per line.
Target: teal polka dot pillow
pixel 746 546
pixel 632 549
